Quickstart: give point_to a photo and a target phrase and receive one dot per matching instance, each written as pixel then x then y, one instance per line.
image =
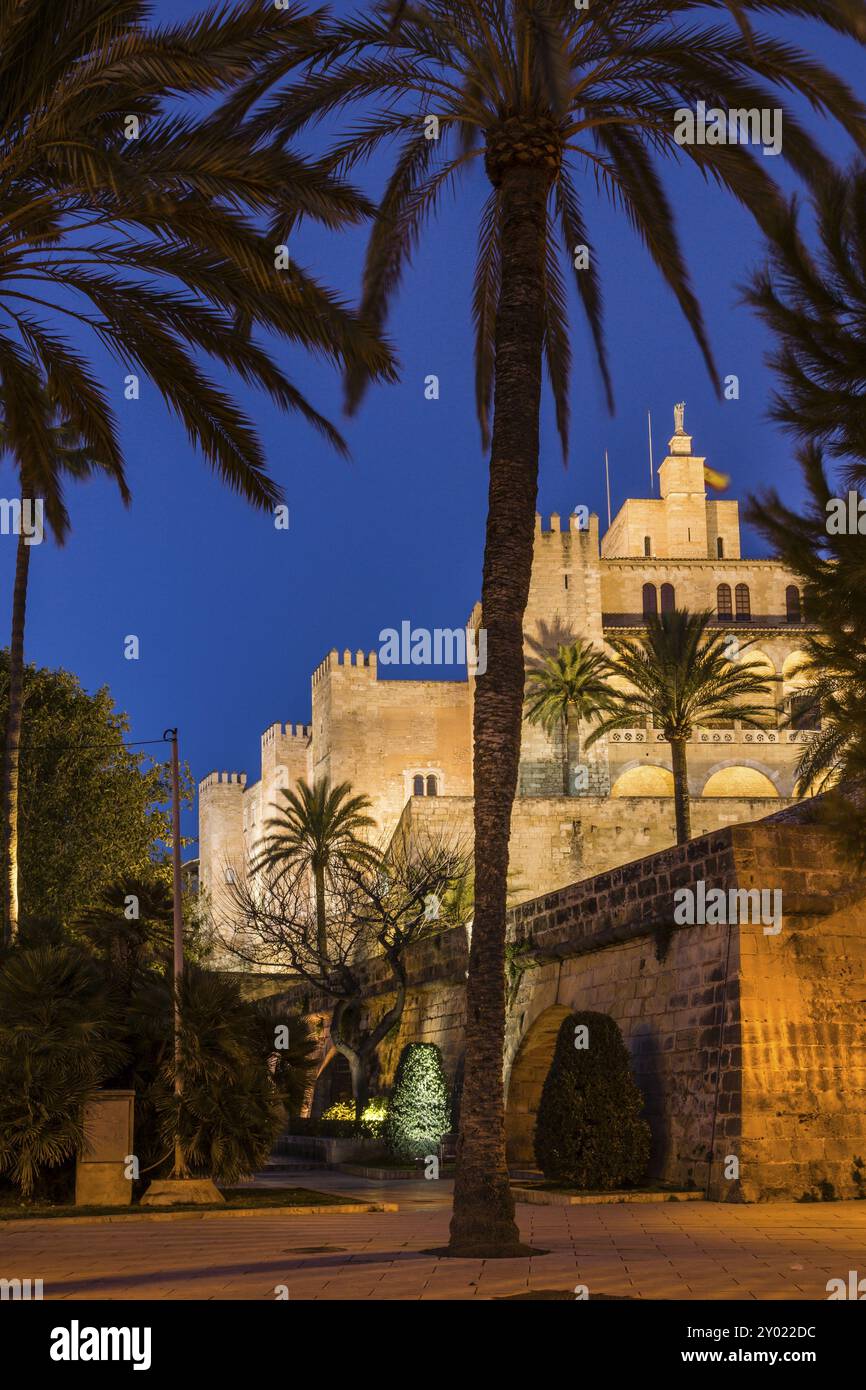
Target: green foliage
pixel 419 1110
pixel 60 1037
pixel 231 1110
pixel 588 1131
pixel 90 809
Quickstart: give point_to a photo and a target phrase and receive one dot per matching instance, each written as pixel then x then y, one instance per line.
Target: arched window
pixel 792 603
pixel 723 601
pixel 418 785
pixel 669 601
pixel 650 600
pixel 647 545
pixel 432 786
pixel 720 548
pixel 744 605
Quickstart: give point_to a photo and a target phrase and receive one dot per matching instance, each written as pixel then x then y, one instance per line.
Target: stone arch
pixel 528 1073
pixel 790 674
pixel 739 779
pixel 644 779
pixel 333 1082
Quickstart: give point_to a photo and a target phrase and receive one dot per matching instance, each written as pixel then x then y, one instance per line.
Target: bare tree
pixel 373 909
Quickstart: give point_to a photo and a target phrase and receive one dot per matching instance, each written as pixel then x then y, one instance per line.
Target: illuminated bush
pixel 374 1111
pixel 588 1131
pixel 419 1112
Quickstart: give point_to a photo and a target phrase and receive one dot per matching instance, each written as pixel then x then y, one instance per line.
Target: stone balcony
pixel 736 735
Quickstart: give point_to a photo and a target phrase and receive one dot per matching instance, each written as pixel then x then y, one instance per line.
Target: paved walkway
pixel 689 1250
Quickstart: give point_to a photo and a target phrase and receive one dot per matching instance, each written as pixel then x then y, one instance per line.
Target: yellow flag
pixel 719 481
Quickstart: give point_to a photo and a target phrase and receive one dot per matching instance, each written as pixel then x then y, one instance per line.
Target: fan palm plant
pixel 130 223
pixel 315 828
pixel 572 685
pixel 541 94
pixel 815 305
pixel 61 1035
pixel 537 91
pixel 679 675
pixel 68 457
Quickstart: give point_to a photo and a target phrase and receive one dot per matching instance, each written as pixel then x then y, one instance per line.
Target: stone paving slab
pixel 676 1251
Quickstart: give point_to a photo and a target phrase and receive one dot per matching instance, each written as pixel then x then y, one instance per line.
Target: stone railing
pixel 715 736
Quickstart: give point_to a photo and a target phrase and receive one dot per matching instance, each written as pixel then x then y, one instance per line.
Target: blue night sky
pixel 233 615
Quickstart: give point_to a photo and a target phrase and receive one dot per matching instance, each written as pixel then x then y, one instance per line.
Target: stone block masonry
pixel 750 1048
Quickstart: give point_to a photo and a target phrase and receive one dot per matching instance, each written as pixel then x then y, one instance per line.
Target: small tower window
pixel 792 603
pixel 418 785
pixel 720 548
pixel 432 786
pixel 650 600
pixel 230 876
pixel 744 604
pixel 647 546
pixel 669 601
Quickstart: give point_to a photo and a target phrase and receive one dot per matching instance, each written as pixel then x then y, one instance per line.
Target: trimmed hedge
pixel 588 1132
pixel 419 1112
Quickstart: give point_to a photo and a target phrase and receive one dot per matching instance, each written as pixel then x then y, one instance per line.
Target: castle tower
pixel 221 840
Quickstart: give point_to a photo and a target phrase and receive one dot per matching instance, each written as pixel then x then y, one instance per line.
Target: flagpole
pixel 607 482
pixel 649 426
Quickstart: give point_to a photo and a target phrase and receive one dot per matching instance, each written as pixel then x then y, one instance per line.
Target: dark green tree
pixel 92 812
pixel 589 1132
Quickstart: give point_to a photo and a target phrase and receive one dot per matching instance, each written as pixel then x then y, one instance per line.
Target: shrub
pixel 588 1131
pixel 60 1039
pixel 419 1110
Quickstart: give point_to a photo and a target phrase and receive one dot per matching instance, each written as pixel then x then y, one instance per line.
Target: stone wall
pixel 748 1045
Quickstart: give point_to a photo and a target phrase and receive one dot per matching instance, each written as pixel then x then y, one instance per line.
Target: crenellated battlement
pixel 225 779
pixel 359 660
pixel 299 732
pixel 572 525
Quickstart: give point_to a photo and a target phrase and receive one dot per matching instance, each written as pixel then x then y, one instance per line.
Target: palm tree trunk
pixel 565 782
pixel 11 754
pixel 483 1216
pixel 321 921
pixel 681 790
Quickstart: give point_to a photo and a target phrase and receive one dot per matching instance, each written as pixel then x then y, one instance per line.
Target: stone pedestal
pixel 176 1192
pixel 100 1171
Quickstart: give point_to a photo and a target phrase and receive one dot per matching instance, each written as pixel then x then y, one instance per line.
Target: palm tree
pixel 815 305
pixel 314 829
pixel 68 457
pixel 681 676
pixel 135 223
pixel 539 93
pixel 571 684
